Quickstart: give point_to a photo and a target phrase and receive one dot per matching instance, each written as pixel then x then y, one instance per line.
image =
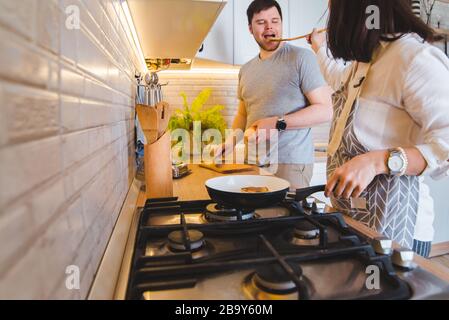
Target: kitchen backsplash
pixel 66 140
pixel 224 92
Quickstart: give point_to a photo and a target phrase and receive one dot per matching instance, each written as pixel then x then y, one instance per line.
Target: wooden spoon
pixel 297 38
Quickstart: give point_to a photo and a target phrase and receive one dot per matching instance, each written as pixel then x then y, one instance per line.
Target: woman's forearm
pixel 416 162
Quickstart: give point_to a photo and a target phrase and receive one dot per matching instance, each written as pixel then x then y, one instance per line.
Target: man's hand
pixel 259 126
pixel 351 179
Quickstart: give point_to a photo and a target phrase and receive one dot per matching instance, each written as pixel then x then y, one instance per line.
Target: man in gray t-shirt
pixel 282 88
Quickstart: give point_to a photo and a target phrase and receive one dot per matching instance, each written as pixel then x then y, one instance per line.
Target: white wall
pixel 66 141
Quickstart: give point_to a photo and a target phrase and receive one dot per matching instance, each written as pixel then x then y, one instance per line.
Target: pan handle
pixel 302 194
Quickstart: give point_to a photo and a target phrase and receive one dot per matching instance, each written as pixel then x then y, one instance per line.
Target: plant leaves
pixel 201 100
pixel 211 117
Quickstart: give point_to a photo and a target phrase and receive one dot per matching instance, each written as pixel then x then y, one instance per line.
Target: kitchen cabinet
pixel 230 41
pixel 219 44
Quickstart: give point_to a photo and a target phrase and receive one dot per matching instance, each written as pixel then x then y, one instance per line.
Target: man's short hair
pixel 260 5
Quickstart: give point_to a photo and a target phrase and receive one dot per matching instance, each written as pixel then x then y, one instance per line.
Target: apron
pixel 389 205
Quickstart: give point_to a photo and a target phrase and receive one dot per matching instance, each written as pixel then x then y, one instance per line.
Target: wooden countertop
pixel 192 188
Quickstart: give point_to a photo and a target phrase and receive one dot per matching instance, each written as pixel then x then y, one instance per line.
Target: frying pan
pixel 227 191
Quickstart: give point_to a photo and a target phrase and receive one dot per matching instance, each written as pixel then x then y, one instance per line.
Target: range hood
pixel 172 31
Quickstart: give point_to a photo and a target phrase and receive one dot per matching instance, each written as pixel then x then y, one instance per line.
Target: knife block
pixel 158 168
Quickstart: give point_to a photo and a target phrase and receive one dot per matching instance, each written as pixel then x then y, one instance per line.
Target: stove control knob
pixel 308 203
pixel 403 257
pixel 382 245
pixel 319 207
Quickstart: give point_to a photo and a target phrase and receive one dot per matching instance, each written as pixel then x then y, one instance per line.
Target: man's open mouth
pixel 269 36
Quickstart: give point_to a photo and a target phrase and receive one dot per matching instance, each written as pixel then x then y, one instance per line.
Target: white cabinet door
pixel 304 16
pixel 219 44
pixel 245 47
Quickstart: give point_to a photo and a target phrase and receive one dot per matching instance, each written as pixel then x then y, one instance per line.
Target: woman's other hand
pixel 351 179
pixel 316 40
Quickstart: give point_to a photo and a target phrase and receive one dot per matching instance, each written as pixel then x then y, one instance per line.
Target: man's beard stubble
pixel 268 49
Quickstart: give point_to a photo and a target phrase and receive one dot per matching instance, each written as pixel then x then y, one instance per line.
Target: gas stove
pixel 199 250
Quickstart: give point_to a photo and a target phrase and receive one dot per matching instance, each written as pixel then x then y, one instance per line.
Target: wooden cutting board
pixel 148 118
pixel 227 168
pixel 158 168
pixel 163 111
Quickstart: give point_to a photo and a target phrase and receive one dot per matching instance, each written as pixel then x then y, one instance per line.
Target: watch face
pixel 395 163
pixel 281 125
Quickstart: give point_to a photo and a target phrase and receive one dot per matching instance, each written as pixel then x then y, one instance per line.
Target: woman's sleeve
pixel 426 99
pixel 334 71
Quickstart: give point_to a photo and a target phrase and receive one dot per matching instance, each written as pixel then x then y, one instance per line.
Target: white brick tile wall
pixel 75 147
pixel 12 224
pixel 70 113
pixel 30 65
pixel 48 20
pixel 18 16
pixel 48 200
pixel 25 166
pixel 77 226
pixel 3 123
pixel 28 272
pixel 31 113
pixel 66 141
pixel 71 82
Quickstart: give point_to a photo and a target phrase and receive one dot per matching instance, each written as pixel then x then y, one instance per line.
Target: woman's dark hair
pixel 260 5
pixel 349 37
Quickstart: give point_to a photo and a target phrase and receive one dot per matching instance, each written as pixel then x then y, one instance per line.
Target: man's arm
pixel 240 118
pixel 238 123
pixel 319 111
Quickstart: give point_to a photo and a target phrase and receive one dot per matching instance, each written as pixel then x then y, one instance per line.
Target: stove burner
pixel 176 240
pixel 305 234
pixel 271 283
pixel 216 212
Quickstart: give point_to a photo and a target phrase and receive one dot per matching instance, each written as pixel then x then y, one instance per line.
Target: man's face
pixel 266 25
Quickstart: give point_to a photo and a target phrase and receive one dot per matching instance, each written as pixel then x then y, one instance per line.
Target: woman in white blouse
pixel 391 117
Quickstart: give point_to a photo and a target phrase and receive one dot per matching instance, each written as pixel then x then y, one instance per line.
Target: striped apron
pixel 389 205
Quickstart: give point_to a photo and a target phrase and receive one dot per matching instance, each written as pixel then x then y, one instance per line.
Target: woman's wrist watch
pixel 397 162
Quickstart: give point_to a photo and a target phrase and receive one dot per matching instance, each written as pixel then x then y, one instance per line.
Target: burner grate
pixel 258 243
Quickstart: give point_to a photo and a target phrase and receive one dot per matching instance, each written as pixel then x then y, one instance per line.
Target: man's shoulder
pixel 299 53
pixel 248 64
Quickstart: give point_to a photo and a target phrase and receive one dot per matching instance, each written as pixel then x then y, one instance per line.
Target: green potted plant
pixel 209 117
